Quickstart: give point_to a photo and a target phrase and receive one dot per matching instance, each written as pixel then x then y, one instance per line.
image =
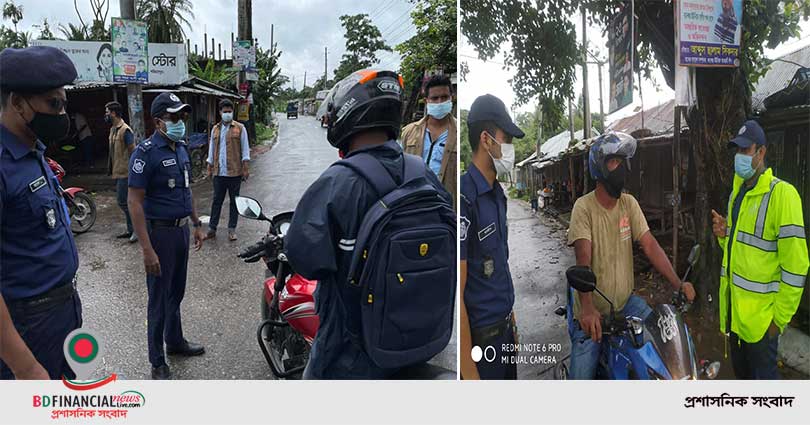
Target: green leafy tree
pixel 97 29
pixel 544 53
pixel 11 37
pixel 363 41
pixel 45 32
pixel 466 149
pixel 268 87
pixel 433 46
pixel 166 19
pixel 74 32
pixel 219 75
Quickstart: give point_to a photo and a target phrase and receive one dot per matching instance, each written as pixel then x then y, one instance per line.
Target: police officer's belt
pixel 482 336
pixel 39 303
pixel 180 222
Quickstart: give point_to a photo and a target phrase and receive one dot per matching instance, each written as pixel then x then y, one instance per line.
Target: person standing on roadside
pixel 122 143
pixel 228 159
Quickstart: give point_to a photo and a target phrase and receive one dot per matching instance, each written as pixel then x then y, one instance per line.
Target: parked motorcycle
pixel 289 321
pixel 658 347
pixel 81 206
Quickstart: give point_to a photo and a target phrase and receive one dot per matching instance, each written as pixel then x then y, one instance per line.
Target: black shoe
pixel 125 235
pixel 161 372
pixel 188 349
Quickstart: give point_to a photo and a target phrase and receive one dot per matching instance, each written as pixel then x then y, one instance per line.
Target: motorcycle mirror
pixel 249 208
pixel 694 254
pixel 581 278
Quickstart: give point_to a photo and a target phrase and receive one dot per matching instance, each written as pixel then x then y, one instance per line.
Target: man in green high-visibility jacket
pixel 765 258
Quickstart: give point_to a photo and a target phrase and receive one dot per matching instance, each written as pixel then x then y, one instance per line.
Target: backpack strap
pixel 372 171
pixel 414 168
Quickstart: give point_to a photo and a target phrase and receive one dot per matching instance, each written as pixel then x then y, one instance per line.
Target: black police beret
pixel 35 69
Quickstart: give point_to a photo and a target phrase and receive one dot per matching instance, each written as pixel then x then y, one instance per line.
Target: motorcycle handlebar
pixel 253 252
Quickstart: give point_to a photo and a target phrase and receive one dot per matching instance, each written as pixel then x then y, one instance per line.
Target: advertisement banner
pixel 168 63
pixel 130 58
pixel 244 55
pixel 620 59
pixel 710 32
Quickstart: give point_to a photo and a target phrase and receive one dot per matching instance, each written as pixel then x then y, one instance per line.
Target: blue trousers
pixel 224 184
pixel 166 291
pixel 754 361
pixel 121 192
pixel 491 365
pixel 585 351
pixel 44 333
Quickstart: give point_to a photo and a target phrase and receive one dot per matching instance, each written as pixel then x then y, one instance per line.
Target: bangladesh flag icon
pixel 83 348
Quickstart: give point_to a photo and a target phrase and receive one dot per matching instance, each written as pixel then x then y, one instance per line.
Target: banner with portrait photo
pixel 710 32
pixel 168 63
pixel 130 57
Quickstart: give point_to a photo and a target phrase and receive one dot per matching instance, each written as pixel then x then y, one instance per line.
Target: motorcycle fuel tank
pixel 297 305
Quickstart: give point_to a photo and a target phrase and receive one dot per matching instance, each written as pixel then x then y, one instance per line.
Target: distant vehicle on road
pixel 292 110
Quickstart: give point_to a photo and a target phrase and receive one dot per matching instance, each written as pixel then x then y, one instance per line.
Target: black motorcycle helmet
pixel 367 99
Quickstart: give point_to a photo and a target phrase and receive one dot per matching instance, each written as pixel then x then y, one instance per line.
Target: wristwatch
pixel 197 224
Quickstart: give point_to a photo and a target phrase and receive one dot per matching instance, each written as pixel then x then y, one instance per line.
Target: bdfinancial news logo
pixel 83 349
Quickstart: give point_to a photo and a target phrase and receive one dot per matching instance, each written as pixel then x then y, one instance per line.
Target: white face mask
pixel 504 164
pixel 227 116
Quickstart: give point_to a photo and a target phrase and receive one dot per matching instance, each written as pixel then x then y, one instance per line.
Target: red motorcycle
pixel 289 321
pixel 81 206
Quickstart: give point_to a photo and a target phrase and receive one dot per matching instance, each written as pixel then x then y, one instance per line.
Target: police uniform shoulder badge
pixel 50 218
pixel 464 225
pixel 138 165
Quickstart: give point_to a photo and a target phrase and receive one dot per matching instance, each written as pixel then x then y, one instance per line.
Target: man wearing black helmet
pixel 604 225
pixel 364 117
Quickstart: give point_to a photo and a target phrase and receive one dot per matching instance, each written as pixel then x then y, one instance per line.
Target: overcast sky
pixel 491 77
pixel 302 28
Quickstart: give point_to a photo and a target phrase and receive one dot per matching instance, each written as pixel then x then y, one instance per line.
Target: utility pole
pixel 324 68
pixel 272 43
pixel 205 46
pixel 571 118
pixel 134 93
pixel 601 103
pixel 245 32
pixel 586 109
pixel 305 81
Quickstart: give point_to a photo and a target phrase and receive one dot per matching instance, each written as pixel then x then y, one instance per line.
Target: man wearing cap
pixel 38 257
pixel 161 206
pixel 761 284
pixel 487 321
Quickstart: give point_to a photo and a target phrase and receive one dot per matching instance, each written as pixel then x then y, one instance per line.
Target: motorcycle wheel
pixel 284 344
pixel 83 215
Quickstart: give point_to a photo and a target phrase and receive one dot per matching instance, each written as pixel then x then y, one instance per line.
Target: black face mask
pixel 49 128
pixel 614 182
pixel 107 119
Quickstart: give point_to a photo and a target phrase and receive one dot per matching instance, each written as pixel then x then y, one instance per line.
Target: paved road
pixel 538 259
pixel 221 306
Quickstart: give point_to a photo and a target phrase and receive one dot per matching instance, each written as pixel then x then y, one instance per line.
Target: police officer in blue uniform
pixel 161 206
pixel 320 241
pixel 38 257
pixel 487 321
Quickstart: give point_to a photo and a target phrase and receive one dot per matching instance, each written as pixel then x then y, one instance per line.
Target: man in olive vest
pixel 122 143
pixel 434 137
pixel 228 157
